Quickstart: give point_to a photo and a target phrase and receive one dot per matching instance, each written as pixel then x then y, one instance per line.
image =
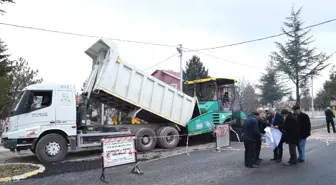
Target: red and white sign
pixel 222 135
pixel 222 130
pixel 118 151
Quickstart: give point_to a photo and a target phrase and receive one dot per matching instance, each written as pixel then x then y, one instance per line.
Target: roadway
pixel 209 167
pixel 318 121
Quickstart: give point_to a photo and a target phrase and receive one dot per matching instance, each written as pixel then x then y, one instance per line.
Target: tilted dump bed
pixel 121 85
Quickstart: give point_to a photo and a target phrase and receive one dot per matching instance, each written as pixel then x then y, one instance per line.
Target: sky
pixel 193 23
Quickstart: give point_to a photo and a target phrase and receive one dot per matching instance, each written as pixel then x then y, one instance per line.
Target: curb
pixel 25 175
pixel 318 126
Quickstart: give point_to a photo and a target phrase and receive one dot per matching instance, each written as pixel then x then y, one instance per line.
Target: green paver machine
pixel 218 103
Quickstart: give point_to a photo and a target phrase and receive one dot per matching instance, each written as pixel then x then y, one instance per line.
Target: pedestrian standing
pixel 304 131
pixel 250 135
pixel 278 119
pixel 269 117
pixel 330 119
pixel 291 135
pixel 262 124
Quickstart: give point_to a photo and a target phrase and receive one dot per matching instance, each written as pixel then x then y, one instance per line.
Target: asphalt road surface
pixel 318 121
pixel 215 168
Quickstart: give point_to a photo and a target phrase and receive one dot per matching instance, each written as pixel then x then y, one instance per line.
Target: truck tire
pixel 168 138
pixel 157 132
pixel 146 139
pixel 32 150
pixel 51 148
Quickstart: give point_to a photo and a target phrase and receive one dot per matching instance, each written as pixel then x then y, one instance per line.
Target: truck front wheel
pixel 168 138
pixel 51 148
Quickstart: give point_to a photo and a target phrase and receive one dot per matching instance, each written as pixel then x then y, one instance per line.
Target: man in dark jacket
pixel 251 134
pixel 262 124
pixel 269 117
pixel 304 131
pixel 330 119
pixel 278 151
pixel 291 135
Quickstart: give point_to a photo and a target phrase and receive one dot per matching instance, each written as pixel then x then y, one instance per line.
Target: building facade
pixel 169 77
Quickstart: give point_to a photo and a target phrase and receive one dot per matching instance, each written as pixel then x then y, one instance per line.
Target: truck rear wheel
pixel 51 148
pixel 146 139
pixel 168 138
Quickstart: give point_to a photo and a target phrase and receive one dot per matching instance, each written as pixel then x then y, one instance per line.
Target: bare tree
pixel 248 98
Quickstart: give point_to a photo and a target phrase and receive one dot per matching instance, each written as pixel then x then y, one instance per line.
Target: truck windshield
pixel 17 101
pixel 206 92
pixel 203 91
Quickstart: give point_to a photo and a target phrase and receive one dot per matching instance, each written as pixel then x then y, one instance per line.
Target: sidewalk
pixel 322 135
pixel 317 117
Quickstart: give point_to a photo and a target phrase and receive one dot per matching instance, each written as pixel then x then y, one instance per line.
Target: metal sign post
pixel 118 151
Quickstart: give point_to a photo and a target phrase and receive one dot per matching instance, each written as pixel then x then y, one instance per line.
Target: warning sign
pixel 118 151
pixel 222 135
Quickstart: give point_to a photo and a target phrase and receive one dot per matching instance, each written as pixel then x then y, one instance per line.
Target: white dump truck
pixel 46 119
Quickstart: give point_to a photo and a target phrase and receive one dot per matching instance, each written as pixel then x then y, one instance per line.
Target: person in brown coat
pixel 290 135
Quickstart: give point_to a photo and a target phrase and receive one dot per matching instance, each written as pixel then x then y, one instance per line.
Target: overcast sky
pixel 193 23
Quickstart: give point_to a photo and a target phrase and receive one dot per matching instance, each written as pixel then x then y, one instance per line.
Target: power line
pixel 160 62
pixel 122 40
pixel 84 35
pixel 263 38
pixel 225 60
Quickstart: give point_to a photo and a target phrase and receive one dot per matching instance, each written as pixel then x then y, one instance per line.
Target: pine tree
pixel 5 1
pixel 305 101
pixel 5 80
pixel 290 98
pixel 328 91
pixel 272 90
pixel 5 63
pixel 295 59
pixel 195 69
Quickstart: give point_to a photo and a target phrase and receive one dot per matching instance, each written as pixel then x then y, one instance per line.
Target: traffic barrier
pixel 118 151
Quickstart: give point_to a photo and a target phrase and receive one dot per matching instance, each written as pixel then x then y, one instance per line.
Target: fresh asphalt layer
pixel 71 167
pixel 209 167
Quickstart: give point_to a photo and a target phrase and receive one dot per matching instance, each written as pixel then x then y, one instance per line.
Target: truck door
pixel 66 106
pixel 40 111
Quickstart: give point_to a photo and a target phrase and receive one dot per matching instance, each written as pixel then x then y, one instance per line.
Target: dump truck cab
pixel 217 100
pixel 37 110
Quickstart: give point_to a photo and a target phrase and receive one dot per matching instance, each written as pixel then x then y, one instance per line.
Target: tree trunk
pixel 297 93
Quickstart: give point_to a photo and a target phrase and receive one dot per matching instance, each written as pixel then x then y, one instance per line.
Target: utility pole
pixel 179 49
pixel 312 100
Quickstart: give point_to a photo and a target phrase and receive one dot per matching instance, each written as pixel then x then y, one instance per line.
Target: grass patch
pixel 9 170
